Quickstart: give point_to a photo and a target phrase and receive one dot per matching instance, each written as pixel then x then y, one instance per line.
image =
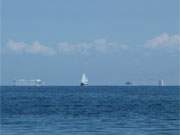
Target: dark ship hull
pixel 83 84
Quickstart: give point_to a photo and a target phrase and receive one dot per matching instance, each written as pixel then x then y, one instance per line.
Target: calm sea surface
pixel 90 110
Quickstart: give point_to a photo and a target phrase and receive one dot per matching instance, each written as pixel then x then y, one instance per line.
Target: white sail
pixel 84 80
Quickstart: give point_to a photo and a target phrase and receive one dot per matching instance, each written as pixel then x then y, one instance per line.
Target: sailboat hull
pixel 83 84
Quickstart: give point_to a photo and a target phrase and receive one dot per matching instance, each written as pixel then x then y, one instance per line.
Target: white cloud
pixel 38 48
pixel 34 48
pixel 99 46
pixel 164 41
pixel 16 46
pixel 67 48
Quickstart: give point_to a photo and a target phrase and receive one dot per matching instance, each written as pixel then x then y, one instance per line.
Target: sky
pixel 112 41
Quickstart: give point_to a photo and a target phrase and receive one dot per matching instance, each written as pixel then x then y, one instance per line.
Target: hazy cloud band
pixel 101 46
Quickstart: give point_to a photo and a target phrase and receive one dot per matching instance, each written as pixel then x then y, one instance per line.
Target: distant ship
pixel 84 80
pixel 23 82
pixel 161 82
pixel 128 83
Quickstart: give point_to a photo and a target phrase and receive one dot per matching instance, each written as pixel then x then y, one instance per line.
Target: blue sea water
pixel 136 110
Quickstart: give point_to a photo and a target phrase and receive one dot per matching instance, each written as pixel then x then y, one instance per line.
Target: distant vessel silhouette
pixel 24 82
pixel 84 80
pixel 128 83
pixel 161 82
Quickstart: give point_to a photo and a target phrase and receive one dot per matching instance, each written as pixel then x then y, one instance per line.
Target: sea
pixel 91 110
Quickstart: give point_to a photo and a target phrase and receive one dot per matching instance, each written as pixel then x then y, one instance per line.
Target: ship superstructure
pixel 24 82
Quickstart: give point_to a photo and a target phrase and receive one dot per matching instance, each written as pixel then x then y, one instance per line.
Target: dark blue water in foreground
pixel 90 110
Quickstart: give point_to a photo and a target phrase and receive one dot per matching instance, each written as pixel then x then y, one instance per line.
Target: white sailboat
pixel 84 80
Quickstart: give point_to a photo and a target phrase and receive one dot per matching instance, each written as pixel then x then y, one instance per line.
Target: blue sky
pixel 112 41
